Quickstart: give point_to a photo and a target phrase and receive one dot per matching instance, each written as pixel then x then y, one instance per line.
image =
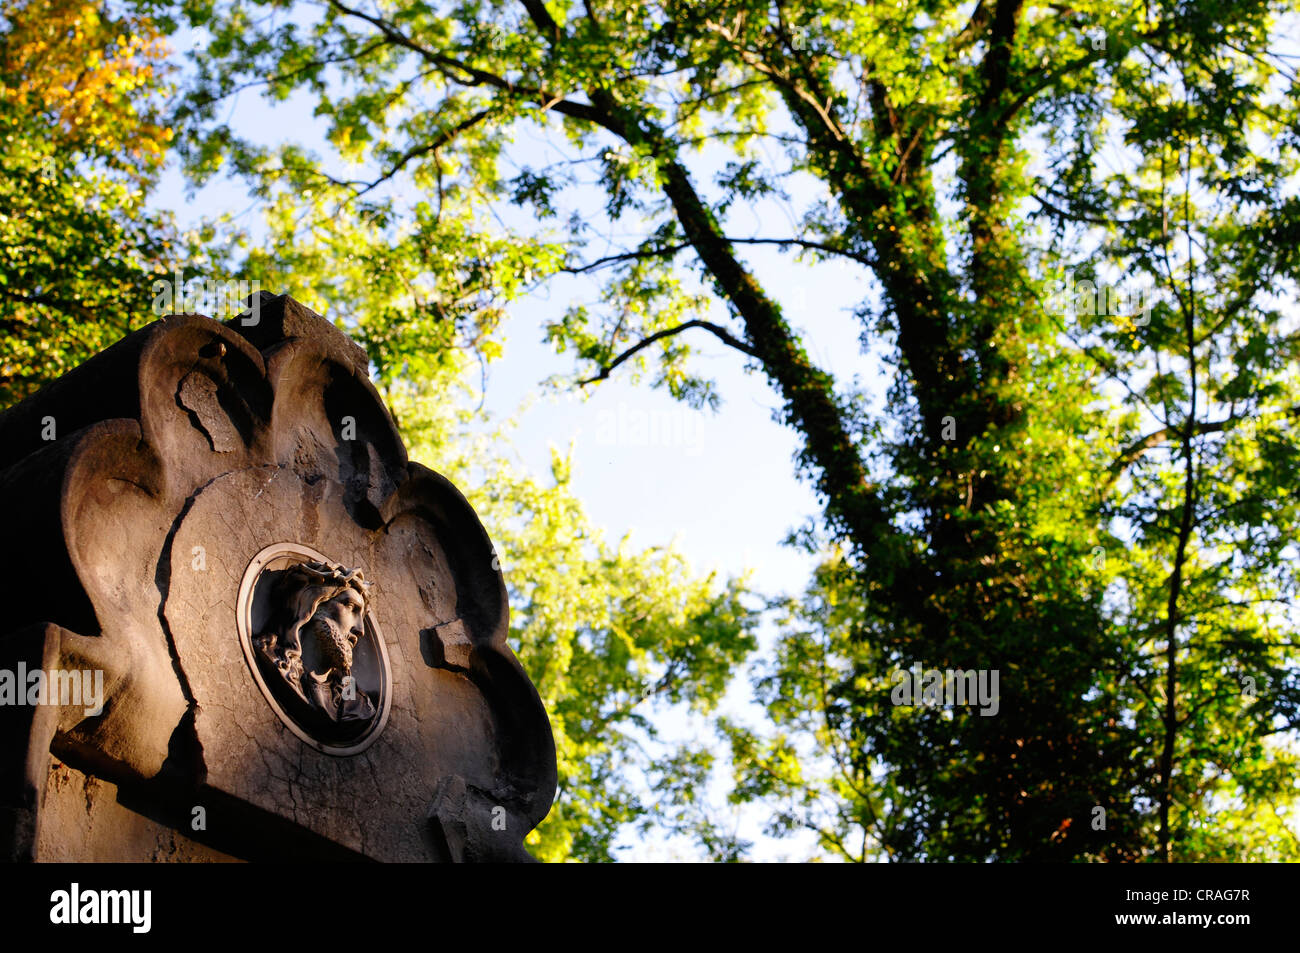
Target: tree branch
pixel 449 66
pixel 1155 438
pixel 718 331
pixel 669 250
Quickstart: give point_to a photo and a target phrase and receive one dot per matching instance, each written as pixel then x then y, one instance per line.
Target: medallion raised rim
pixel 244 625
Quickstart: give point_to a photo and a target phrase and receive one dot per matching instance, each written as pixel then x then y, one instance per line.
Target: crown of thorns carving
pixel 333 576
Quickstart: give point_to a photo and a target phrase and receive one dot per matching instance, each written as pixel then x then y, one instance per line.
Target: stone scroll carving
pixel 297 627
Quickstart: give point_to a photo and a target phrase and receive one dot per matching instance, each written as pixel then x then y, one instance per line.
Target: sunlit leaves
pixel 82 142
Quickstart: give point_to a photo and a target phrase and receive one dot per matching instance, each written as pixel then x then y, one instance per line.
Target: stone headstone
pixel 242 624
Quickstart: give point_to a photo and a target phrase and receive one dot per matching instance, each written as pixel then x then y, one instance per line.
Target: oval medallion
pixel 310 638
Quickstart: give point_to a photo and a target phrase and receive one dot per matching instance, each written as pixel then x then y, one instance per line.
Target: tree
pixel 1087 490
pixel 81 92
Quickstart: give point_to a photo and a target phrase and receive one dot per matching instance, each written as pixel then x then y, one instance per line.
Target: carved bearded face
pixel 319 617
pixel 336 626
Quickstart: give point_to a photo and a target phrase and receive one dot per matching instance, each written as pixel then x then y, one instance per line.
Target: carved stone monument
pixel 242 625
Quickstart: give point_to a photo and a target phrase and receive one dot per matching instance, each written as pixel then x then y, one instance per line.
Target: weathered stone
pixel 451 646
pixel 298 629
